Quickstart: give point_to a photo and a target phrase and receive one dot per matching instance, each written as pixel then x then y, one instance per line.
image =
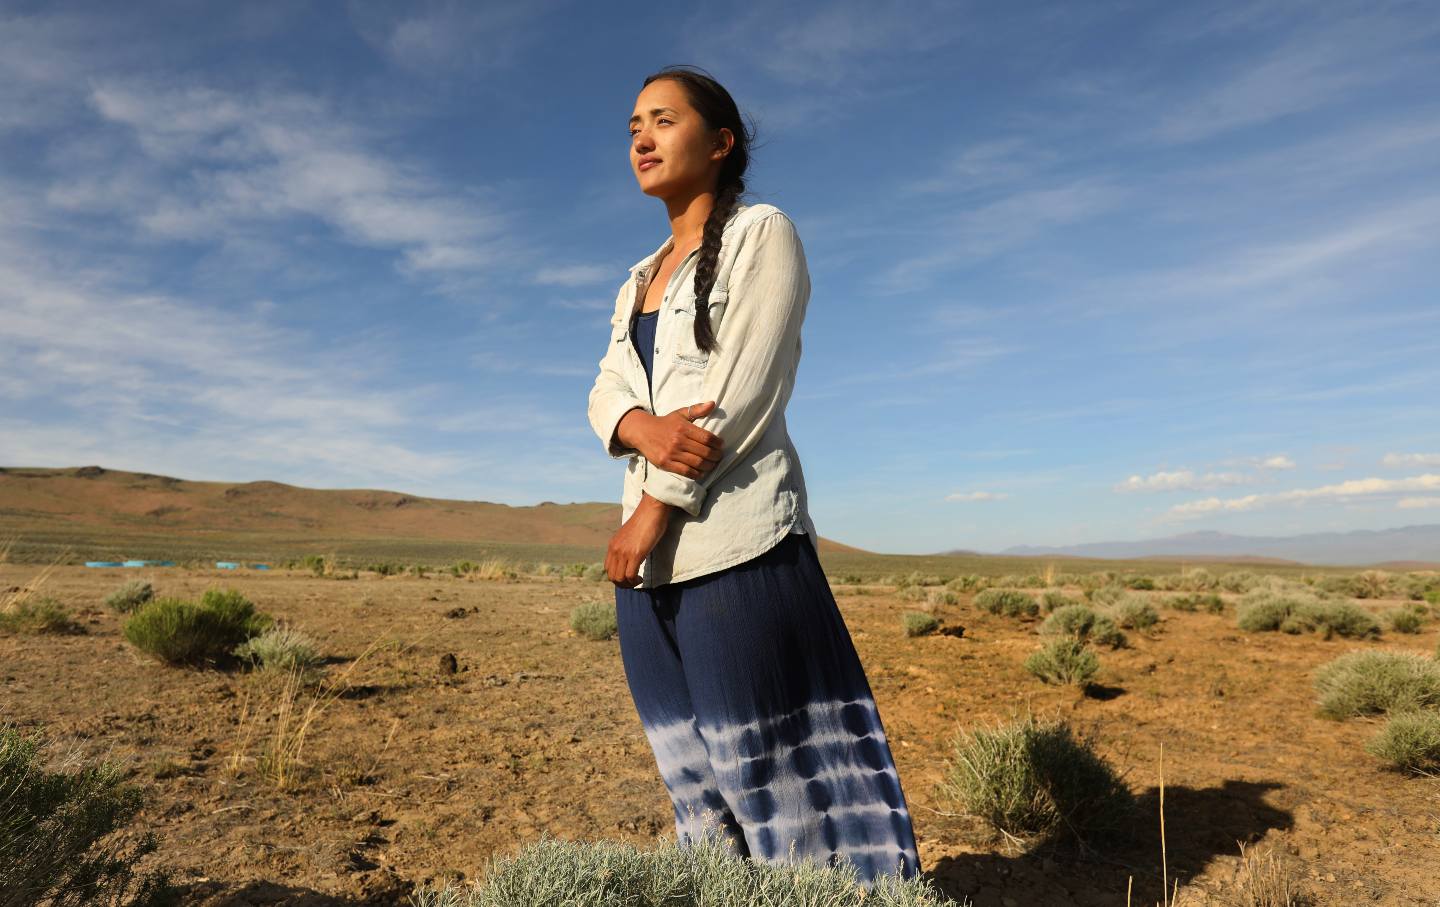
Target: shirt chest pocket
pixel 684 351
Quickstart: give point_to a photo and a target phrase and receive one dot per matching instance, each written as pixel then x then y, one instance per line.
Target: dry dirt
pixel 536 732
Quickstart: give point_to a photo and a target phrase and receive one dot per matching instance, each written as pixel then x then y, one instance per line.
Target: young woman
pixel 741 668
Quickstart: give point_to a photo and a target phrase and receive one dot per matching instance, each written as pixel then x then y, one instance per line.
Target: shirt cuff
pixel 674 489
pixel 609 418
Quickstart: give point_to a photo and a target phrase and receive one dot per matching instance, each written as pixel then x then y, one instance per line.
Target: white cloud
pixel 574 275
pixel 1180 480
pixel 1399 460
pixel 1417 503
pixel 1369 487
pixel 215 162
pixel 1317 65
pixel 977 496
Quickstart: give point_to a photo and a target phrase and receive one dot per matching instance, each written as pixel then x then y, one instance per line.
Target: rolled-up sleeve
pixel 611 397
pixel 752 372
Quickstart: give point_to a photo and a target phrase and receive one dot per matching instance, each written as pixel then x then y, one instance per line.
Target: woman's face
pixel 666 128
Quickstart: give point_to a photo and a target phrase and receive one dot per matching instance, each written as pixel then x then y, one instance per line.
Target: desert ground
pixel 415 772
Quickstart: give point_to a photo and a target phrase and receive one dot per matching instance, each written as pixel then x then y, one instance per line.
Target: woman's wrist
pixel 625 428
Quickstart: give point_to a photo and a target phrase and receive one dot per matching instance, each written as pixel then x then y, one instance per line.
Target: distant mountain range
pixel 94 498
pixel 1406 547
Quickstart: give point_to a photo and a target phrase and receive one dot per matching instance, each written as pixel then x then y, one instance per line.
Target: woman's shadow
pixel 1200 825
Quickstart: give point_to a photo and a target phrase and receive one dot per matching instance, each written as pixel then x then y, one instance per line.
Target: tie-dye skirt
pixel 760 716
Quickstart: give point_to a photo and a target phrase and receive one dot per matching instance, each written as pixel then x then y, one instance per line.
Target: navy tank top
pixel 642 332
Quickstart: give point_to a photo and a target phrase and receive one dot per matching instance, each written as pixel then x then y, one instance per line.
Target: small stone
pixel 448 664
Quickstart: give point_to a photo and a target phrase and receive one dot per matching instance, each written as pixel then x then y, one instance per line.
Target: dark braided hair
pixel 718 109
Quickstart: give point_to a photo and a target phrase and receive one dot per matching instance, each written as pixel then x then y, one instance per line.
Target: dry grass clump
pixel 38 614
pixel 1371 683
pixel 594 620
pixel 1265 880
pixel 1032 780
pixel 918 623
pixel 24 610
pixel 1064 660
pixel 703 871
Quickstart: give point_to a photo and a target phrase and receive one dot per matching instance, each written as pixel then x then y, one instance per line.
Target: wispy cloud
pixel 1369 487
pixel 977 496
pixel 1406 460
pixel 1180 480
pixel 221 161
pixel 1326 60
pixel 1418 503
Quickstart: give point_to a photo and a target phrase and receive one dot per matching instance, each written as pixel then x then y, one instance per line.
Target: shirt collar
pixel 664 246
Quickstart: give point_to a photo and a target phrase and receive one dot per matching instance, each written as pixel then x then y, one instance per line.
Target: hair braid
pixel 727 199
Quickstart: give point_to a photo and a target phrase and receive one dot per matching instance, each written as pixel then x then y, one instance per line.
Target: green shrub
pixel 1108 594
pixel 1138 581
pixel 1054 599
pixel 596 572
pixel 918 623
pixel 1371 584
pixel 1197 601
pixel 1369 683
pixel 1433 596
pixel 1271 603
pixel 52 825
pixel 39 614
pixel 970 582
pixel 1197 580
pixel 280 649
pixel 1410 741
pixel 181 632
pixel 1064 660
pixel 1238 581
pixel 912 593
pixel 1405 620
pixel 316 564
pixel 1331 619
pixel 942 596
pixel 1036 779
pixel 594 620
pixel 1009 602
pixel 130 596
pixel 1134 612
pixel 1083 623
pixel 704 871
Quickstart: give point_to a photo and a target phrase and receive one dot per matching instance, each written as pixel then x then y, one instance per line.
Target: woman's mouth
pixel 648 164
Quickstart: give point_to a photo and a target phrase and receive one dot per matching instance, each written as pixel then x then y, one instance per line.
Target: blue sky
pixel 1080 271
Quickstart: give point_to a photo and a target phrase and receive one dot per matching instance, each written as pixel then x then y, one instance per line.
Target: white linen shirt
pixel 755 494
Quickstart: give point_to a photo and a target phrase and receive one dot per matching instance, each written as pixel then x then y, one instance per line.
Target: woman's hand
pixel 633 541
pixel 671 442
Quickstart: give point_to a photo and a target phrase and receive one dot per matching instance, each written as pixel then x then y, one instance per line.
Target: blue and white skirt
pixel 760 716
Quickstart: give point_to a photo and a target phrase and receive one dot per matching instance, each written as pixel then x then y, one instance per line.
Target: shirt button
pixel 657 349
